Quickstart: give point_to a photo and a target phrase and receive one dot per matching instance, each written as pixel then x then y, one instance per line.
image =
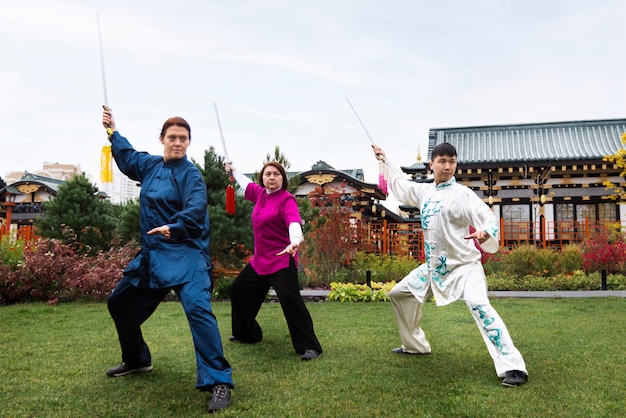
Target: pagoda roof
pixel 51 184
pixel 347 176
pixel 554 141
pixel 10 189
pixel 418 167
pixel 356 173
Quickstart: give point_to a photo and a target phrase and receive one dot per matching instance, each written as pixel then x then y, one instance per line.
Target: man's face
pixel 443 167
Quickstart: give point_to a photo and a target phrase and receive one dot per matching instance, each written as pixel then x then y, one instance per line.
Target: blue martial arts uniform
pixel 173 193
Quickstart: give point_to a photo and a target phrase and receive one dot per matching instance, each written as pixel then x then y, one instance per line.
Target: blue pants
pixel 131 306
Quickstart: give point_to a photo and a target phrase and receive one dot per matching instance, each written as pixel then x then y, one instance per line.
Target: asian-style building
pixel 544 181
pixel 22 203
pixel 364 196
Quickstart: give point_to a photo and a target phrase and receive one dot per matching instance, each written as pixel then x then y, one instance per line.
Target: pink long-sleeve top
pixel 271 217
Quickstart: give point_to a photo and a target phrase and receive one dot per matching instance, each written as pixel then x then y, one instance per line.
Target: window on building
pixel 573 219
pixel 586 212
pixel 565 221
pixel 607 212
pixel 564 211
pixel 517 225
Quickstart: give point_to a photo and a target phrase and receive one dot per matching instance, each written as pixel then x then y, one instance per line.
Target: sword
pixel 230 189
pixel 106 166
pixel 363 125
pixel 219 125
pixel 105 106
pixel 382 181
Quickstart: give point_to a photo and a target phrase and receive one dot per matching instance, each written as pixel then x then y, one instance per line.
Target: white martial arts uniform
pixel 452 270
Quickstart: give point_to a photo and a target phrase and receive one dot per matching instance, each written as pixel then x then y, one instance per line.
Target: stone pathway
pixel 320 294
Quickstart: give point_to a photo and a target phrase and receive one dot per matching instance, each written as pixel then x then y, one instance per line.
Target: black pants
pixel 247 293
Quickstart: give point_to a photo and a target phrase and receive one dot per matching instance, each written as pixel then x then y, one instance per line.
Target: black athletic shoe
pixel 514 378
pixel 220 398
pixel 310 355
pixel 123 370
pixel 401 350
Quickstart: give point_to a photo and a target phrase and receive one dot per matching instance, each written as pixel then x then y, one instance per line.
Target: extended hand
pixel 290 249
pixel 481 236
pixel 163 230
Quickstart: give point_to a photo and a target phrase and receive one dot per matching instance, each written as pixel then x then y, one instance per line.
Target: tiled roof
pixel 50 183
pixel 577 140
pixel 417 167
pixel 10 189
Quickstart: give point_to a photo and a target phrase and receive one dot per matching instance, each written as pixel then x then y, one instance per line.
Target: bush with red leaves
pixel 51 271
pixel 604 251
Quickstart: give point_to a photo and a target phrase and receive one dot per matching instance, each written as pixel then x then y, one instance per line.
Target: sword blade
pixel 104 80
pixel 219 125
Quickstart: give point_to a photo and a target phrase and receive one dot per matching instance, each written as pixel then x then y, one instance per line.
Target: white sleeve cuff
pixel 242 179
pixel 295 233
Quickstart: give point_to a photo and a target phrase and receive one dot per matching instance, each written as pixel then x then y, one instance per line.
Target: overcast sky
pixel 280 72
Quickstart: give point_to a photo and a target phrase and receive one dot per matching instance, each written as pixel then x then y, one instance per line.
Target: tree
pixel 77 217
pixel 293 182
pixel 128 221
pixel 619 159
pixel 308 213
pixel 231 235
pixel 333 236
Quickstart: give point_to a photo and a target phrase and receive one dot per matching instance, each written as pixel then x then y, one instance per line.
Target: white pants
pixel 408 312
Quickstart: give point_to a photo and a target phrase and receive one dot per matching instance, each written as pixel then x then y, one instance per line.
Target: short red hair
pixel 175 121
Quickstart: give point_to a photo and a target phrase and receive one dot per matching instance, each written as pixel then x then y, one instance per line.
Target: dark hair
pixel 280 169
pixel 443 149
pixel 175 121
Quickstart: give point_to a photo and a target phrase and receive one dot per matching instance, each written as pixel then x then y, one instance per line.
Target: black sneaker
pixel 220 398
pixel 514 378
pixel 402 350
pixel 310 355
pixel 123 370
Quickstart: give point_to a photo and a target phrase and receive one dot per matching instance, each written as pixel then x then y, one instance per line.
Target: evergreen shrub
pixel 383 268
pixel 221 287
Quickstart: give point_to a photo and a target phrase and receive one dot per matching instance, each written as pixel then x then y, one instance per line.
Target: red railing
pixel 405 239
pixel 553 234
pixel 24 232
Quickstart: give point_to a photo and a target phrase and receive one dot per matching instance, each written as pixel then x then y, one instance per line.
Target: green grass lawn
pixel 53 359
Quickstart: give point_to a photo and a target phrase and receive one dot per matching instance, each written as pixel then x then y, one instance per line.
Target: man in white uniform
pixel 452 270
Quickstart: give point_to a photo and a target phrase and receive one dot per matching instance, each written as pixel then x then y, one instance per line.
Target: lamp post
pixel 8 201
pixel 490 182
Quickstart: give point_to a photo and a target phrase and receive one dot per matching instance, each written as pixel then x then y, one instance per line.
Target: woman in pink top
pixel 277 230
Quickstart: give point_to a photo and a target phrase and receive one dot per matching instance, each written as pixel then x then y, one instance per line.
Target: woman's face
pixel 272 179
pixel 175 143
